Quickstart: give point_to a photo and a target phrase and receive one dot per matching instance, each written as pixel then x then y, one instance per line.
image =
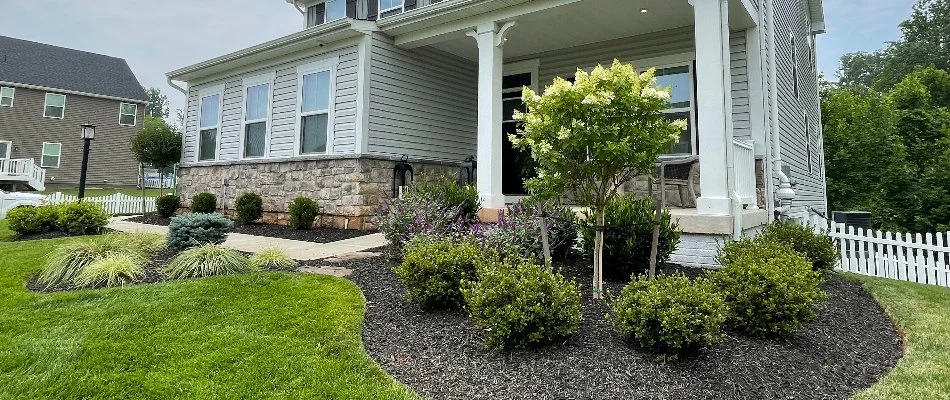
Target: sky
pixel 157 36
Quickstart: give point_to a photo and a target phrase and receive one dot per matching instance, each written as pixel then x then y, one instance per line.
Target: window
pixel 5 146
pixel 390 7
pixel 55 106
pixel 794 67
pixel 51 153
pixel 256 115
pixel 313 116
pixel 336 9
pixel 127 114
pixel 6 96
pixel 808 143
pixel 209 117
pixel 328 11
pixel 681 102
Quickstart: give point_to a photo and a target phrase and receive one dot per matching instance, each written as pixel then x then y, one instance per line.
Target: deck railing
pixel 744 165
pixel 23 170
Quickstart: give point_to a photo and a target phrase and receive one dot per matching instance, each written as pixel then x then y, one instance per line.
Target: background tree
pixel 157 103
pixel 594 135
pixel 157 145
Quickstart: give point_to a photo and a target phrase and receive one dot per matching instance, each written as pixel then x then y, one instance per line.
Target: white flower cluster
pixel 601 98
pixel 681 124
pixel 654 93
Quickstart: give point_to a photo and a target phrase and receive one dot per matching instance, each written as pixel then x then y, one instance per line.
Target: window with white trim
pixel 335 9
pixel 209 126
pixel 51 155
pixel 315 110
pixel 390 7
pixel 54 106
pixel 5 146
pixel 257 100
pixel 127 112
pixel 6 96
pixel 328 11
pixel 680 79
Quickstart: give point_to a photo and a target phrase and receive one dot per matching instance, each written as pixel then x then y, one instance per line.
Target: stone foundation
pixel 348 189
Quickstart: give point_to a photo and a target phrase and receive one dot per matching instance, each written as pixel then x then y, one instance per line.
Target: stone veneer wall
pixel 348 189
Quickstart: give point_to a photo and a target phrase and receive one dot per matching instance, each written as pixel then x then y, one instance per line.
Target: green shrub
pixel 206 260
pixel 463 198
pixel 204 202
pixel 167 205
pixel 48 216
pixel 118 269
pixel 521 304
pixel 273 259
pixel 249 207
pixel 24 220
pixel 768 289
pixel 194 229
pixel 303 212
pixel 670 315
pixel 433 270
pixel 629 236
pixel 518 229
pixel 819 249
pixel 82 218
pixel 68 260
pixel 414 214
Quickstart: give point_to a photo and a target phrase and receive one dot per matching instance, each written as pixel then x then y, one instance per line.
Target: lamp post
pixel 88 134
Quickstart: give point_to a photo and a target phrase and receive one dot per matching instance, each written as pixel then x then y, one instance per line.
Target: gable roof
pixel 51 67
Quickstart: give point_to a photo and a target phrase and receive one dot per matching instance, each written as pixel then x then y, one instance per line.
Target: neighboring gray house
pixel 46 93
pixel 326 112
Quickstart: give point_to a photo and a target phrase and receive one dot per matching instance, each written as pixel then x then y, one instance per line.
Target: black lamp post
pixel 88 134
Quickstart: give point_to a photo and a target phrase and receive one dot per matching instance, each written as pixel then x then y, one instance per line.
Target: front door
pixel 515 164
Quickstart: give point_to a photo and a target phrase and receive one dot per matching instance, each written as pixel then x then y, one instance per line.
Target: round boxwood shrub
pixel 303 211
pixel 24 220
pixel 195 229
pixel 204 202
pixel 670 315
pixel 819 249
pixel 768 288
pixel 521 304
pixel 167 205
pixel 629 235
pixel 434 268
pixel 249 207
pixel 82 218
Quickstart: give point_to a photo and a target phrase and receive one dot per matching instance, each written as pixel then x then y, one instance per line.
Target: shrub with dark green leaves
pixel 768 288
pixel 629 236
pixel 249 207
pixel 204 202
pixel 303 211
pixel 195 229
pixel 48 216
pixel 521 304
pixel 819 249
pixel 24 220
pixel 82 218
pixel 167 205
pixel 670 315
pixel 463 198
pixel 433 269
pixel 206 260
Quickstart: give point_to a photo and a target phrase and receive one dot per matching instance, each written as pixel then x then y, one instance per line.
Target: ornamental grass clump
pixel 669 315
pixel 206 260
pixel 273 259
pixel 817 248
pixel 520 304
pixel 119 269
pixel 433 269
pixel 68 260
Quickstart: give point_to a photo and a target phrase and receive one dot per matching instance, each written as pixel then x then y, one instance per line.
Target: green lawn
pixel 261 335
pixel 96 192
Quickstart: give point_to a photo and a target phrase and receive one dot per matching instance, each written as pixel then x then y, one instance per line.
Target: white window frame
pixel 401 8
pixel 677 61
pixel 59 155
pixel 12 92
pixel 326 11
pixel 263 79
pixel 9 150
pixel 327 65
pixel 202 94
pixel 46 105
pixel 135 114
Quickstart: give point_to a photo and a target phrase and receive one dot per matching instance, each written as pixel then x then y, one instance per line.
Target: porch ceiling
pixel 587 22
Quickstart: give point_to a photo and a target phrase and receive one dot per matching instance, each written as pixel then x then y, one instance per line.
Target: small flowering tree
pixel 591 136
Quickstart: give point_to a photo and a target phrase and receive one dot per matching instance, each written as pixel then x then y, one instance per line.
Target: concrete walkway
pixel 296 249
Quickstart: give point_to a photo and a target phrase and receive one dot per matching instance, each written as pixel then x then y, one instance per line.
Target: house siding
pixel 423 103
pixel 283 107
pixel 111 162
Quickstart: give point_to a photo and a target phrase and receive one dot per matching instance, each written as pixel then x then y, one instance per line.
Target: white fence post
pixel 918 258
pixel 115 204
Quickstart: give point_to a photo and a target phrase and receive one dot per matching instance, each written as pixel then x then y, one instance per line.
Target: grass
pixel 258 335
pixel 924 314
pixel 97 192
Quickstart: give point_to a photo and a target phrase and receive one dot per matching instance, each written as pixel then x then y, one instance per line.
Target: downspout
pixel 176 87
pixel 785 193
pixel 726 51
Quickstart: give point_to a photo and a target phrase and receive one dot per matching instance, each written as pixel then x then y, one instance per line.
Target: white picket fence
pixel 919 258
pixel 115 204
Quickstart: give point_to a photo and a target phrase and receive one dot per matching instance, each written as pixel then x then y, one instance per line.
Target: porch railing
pixel 23 170
pixel 744 165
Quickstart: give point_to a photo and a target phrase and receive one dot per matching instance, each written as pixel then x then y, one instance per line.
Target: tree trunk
pixel 599 255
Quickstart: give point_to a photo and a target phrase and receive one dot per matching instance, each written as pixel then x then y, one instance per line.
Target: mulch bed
pixel 441 356
pixel 153 274
pixel 315 235
pixel 40 236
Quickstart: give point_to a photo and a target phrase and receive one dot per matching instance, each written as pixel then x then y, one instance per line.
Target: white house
pixel 327 112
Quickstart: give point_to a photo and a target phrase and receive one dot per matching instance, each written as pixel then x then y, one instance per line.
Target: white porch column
pixel 714 106
pixel 490 62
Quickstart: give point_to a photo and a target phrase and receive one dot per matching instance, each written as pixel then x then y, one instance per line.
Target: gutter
pixel 176 87
pixel 74 92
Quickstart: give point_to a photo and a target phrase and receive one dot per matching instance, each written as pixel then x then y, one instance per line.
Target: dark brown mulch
pixel 440 355
pixel 153 274
pixel 315 235
pixel 40 236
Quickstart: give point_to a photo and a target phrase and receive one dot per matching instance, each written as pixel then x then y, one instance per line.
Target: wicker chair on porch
pixel 679 172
